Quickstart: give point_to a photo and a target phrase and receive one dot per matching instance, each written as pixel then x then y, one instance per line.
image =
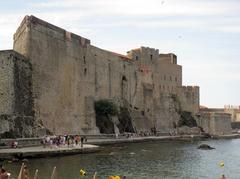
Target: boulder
pixel 205 147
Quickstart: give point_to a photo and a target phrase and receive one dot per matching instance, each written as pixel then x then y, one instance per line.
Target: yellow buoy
pixel 221 164
pixel 114 177
pixel 82 172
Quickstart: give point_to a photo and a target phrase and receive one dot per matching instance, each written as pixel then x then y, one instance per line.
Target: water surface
pixel 148 160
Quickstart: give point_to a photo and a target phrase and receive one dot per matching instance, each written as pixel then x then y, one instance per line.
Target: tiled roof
pixel 124 57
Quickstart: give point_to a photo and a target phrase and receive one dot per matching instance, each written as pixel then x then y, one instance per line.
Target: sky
pixel 204 34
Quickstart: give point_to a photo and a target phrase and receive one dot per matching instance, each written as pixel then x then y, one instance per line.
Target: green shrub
pixel 106 107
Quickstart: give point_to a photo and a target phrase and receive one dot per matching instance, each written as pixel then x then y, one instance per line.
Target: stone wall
pixel 69 74
pixel 189 98
pixel 215 123
pixel 16 109
pixel 7 83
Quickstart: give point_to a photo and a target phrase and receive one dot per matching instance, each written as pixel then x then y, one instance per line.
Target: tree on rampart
pixel 105 109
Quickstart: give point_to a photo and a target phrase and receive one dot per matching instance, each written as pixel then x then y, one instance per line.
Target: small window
pixel 85 71
pixel 175 78
pixel 170 78
pixel 164 77
pixel 151 57
pixel 136 57
pixel 143 113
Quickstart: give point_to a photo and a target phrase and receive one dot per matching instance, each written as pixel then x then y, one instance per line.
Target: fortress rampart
pixel 68 74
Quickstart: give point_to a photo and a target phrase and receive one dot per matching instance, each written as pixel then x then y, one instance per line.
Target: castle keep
pixel 51 79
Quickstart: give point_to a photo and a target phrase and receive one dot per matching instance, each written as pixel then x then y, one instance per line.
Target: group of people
pixel 62 140
pixel 14 144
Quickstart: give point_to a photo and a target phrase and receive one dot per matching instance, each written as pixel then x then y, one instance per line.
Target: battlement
pixel 144 49
pixel 188 88
pixel 143 54
pixel 169 57
pixel 50 29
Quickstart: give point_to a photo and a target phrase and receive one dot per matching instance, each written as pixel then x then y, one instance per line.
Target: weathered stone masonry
pixel 16 109
pixel 66 74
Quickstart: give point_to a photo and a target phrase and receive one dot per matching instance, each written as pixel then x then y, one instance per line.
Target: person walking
pixel 82 139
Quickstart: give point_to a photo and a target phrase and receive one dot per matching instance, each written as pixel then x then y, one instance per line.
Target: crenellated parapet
pixel 168 58
pixel 144 55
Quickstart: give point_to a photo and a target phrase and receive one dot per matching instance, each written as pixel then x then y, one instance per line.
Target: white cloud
pixel 143 7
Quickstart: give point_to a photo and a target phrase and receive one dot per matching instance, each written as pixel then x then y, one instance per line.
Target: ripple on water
pixel 149 160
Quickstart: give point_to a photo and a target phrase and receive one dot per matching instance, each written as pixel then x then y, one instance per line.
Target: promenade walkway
pixel 40 151
pixel 89 147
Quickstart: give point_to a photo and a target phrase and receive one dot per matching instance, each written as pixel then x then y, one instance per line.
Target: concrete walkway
pixel 40 151
pixel 89 147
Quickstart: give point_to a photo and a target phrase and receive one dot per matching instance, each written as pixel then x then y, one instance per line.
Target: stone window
pixel 170 78
pixel 164 77
pixel 136 57
pixel 143 113
pixel 85 71
pixel 151 57
pixel 176 79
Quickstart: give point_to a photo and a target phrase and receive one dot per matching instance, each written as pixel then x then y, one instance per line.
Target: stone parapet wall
pixel 215 123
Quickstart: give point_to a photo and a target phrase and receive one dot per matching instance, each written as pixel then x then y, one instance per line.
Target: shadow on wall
pixel 125 121
pixel 186 119
pixel 106 110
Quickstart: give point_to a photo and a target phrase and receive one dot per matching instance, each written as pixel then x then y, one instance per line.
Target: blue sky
pixel 205 34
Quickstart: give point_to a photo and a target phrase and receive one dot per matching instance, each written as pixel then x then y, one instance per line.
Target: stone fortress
pixel 220 120
pixel 51 79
